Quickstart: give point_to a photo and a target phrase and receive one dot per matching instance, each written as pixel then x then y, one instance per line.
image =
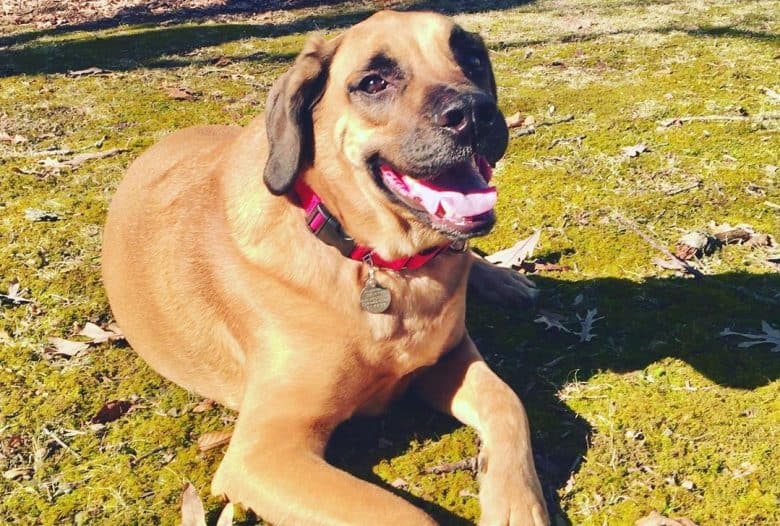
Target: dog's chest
pixel 424 320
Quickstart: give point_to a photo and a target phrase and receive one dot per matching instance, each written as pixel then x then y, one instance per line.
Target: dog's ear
pixel 289 114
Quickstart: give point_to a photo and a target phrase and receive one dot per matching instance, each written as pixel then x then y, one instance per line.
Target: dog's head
pixel 394 123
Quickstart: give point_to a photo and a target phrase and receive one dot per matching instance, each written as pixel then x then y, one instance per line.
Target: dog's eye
pixel 372 84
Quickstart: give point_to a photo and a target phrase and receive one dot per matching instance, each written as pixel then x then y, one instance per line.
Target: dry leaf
pixel 536 266
pixel 772 94
pixel 97 335
pixel 551 320
pixel 35 215
pixel 17 473
pixel 180 93
pixel 656 519
pixel 695 244
pixel 13 139
pixel 87 72
pixel 62 347
pixel 400 483
pixel 586 323
pixel 221 62
pixel 634 151
pixel 204 405
pixel 226 517
pixel 670 264
pixel 214 439
pixel 111 411
pixel 745 469
pixel 514 256
pixel 515 120
pixel 192 512
pixel 769 336
pixel 760 240
pixel 14 295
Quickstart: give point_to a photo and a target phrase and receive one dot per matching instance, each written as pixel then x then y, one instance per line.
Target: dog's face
pixel 397 126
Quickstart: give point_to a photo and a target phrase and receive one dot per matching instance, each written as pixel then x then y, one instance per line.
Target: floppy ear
pixel 288 115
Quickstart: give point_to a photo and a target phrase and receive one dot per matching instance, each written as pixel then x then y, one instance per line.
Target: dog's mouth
pixel 457 201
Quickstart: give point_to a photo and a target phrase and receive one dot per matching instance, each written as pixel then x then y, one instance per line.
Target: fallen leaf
pixel 192 512
pixel 87 72
pixel 760 240
pixel 204 405
pixel 214 439
pixel 97 335
pixel 111 411
pixel 13 139
pixel 656 519
pixel 14 295
pixel 514 256
pixel 17 473
pixel 535 266
pixel 670 264
pixel 180 93
pixel 221 62
pixel 634 151
pixel 467 493
pixel 35 215
pixel 552 320
pixel 516 120
pixel 769 336
pixel 67 348
pixel 745 469
pixel 399 483
pixel 695 244
pixel 772 94
pixel 586 323
pixel 226 517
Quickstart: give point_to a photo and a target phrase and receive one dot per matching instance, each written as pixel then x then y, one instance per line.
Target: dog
pixel 313 265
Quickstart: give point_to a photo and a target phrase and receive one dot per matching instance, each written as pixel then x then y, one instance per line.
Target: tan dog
pixel 219 283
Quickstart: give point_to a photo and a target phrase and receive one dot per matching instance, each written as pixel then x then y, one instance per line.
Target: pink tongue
pixel 441 202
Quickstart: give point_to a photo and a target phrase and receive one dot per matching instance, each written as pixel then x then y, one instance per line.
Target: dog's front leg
pixel 463 385
pixel 499 285
pixel 274 464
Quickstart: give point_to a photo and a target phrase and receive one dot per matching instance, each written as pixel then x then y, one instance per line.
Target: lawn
pixel 652 410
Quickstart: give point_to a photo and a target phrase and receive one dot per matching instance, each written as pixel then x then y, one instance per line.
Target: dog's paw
pixel 510 495
pixel 502 286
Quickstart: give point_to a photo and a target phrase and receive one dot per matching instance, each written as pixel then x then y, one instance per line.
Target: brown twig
pixel 772 115
pixel 530 130
pixel 684 188
pixel 631 225
pixel 467 464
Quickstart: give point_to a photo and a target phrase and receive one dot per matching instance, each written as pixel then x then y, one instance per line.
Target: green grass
pixel 655 413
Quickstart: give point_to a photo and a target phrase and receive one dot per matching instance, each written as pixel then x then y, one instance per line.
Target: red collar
pixel 329 230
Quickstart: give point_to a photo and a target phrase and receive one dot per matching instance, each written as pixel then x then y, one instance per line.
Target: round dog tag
pixel 374 298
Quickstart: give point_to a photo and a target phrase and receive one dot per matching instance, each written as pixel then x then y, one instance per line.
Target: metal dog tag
pixel 373 298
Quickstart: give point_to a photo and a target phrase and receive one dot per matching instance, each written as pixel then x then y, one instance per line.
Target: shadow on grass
pixel 643 323
pixel 728 32
pixel 123 52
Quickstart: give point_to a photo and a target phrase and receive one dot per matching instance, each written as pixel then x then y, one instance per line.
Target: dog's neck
pixel 329 231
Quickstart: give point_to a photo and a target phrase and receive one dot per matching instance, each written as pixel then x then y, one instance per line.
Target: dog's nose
pixel 465 114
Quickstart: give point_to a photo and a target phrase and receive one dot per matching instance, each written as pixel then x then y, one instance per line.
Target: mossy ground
pixel 655 413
